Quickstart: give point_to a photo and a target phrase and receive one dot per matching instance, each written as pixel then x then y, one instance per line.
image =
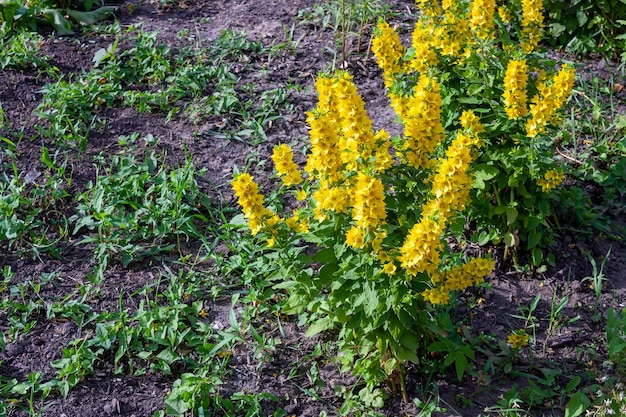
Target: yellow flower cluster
pixel 549 99
pixel 420 251
pixel 518 339
pixel 368 205
pixel 389 51
pixel 457 278
pixel 251 202
pixel 505 14
pixel 430 8
pixel 451 184
pixel 423 130
pixel 481 18
pixel 532 24
pixel 515 81
pixel 424 54
pixel 286 168
pixel 297 223
pixel 343 144
pixel 550 180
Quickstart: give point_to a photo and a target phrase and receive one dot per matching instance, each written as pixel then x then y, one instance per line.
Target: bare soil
pixel 105 393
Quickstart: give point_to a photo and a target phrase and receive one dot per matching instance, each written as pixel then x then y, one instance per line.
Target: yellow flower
pixel 424 55
pixel 271 242
pixel 550 180
pixel 437 296
pixel 286 168
pixel 301 195
pixel 505 14
pixel 514 95
pixel 518 339
pixel 550 98
pixel 532 24
pixel 390 268
pixel 355 237
pixel 481 18
pixel 388 50
pixel 423 129
pixel 251 202
pixel 471 122
pixel 421 247
pixel 328 197
pixel 368 208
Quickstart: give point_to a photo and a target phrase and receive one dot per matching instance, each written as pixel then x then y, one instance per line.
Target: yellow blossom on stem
pixel 420 251
pixel 550 180
pixel 368 207
pixel 549 99
pixel 331 198
pixel 505 14
pixel 481 18
pixel 324 159
pixel 355 237
pixel 436 296
pixel 423 129
pixel 430 8
pixel 469 121
pixel 388 50
pixel 532 24
pixel 514 95
pixel 424 54
pixel 390 268
pixel 518 339
pixel 286 168
pixel 251 202
pixel 356 141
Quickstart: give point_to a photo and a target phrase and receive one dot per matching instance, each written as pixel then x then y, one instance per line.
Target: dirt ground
pixel 104 393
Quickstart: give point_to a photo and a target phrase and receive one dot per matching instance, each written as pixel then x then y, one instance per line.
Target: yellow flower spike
pixel 420 251
pixel 505 14
pixel 423 129
pixel 550 98
pixel 471 122
pixel 551 180
pixel 514 94
pixel 532 24
pixel 285 167
pixel 388 50
pixel 368 207
pixel 481 18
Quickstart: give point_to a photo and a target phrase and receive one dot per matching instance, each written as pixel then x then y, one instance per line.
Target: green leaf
pixel 325 256
pixel 511 215
pixel 482 173
pixel 319 326
pixel 55 18
pixel 534 237
pixel 90 18
pixel 509 239
pixel 577 403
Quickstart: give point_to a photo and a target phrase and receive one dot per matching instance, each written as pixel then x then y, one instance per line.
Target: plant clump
pixel 381 210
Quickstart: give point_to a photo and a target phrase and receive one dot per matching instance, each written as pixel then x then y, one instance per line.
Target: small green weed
pixel 143 208
pixel 21 50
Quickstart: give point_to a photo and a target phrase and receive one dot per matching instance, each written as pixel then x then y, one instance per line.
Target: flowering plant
pixel 379 215
pixel 380 211
pixel 470 49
